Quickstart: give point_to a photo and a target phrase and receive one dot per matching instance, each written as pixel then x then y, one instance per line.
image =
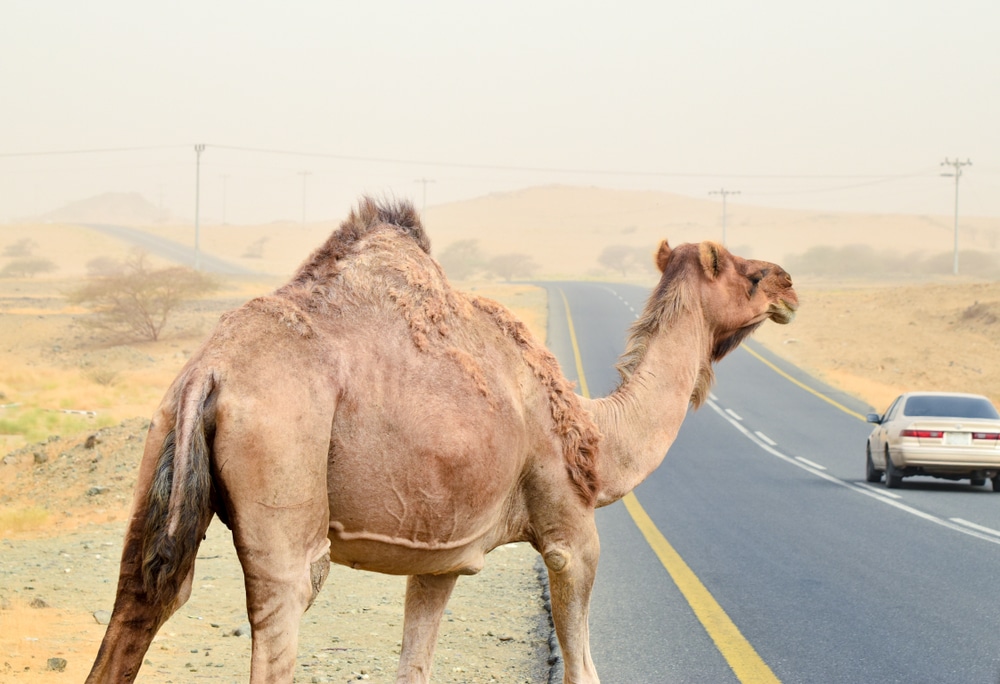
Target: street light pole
pixel 958 174
pixel 724 193
pixel 198 149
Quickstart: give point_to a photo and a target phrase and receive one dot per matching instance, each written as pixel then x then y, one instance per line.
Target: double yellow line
pixel 744 660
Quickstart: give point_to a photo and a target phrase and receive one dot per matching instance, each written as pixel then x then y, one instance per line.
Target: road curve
pixel 169 249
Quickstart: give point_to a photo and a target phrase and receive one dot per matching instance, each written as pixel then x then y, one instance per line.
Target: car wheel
pixel 996 482
pixel 871 473
pixel 893 477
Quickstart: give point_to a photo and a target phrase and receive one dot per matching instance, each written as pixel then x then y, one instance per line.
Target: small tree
pixel 510 266
pixel 461 259
pixel 24 247
pixel 104 266
pixel 139 300
pixel 27 268
pixel 256 249
pixel 623 258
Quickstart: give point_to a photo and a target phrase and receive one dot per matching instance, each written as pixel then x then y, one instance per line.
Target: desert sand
pixel 63 505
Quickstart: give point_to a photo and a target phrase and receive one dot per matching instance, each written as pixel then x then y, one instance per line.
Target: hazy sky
pixel 848 105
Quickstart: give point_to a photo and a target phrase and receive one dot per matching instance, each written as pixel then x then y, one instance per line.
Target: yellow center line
pixel 744 660
pixel 576 349
pixel 804 386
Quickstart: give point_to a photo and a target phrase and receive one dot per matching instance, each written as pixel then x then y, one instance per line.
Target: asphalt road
pixel 170 249
pixel 827 578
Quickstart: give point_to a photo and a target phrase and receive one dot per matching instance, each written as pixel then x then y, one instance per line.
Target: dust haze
pixel 304 106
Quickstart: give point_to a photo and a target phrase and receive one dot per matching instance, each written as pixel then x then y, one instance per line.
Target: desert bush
pixel 24 247
pixel 104 266
pixel 139 301
pixel 27 267
pixel 978 264
pixel 510 266
pixel 103 376
pixel 625 259
pixel 867 262
pixel 461 259
pixel 255 250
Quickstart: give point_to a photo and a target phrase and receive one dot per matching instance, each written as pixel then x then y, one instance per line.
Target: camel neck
pixel 640 420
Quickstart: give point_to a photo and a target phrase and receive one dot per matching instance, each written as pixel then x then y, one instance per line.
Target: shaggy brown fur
pixel 369 414
pixel 579 435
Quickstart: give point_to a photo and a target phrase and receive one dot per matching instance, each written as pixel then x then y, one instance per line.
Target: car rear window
pixel 951 407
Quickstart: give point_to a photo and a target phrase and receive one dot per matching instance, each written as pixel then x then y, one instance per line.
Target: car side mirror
pixel 873 418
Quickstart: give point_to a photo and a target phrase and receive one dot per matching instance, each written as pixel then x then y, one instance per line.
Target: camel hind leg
pixel 272 480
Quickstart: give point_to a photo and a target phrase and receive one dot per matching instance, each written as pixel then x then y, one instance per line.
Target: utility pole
pixel 224 179
pixel 424 181
pixel 198 149
pixel 957 174
pixel 724 193
pixel 305 175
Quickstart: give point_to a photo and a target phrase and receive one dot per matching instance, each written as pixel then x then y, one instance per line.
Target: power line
pixel 53 153
pixel 552 169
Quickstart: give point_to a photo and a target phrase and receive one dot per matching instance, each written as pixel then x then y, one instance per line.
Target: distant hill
pixel 120 208
pixel 565 227
pixel 562 228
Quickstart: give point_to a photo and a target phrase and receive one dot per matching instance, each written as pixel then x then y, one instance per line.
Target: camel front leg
pixel 426 598
pixel 571 569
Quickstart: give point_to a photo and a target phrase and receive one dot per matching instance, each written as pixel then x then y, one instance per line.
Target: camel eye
pixel 754 282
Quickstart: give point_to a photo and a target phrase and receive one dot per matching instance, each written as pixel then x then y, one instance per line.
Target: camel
pixel 369 414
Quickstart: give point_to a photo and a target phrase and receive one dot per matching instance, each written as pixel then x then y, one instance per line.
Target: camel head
pixel 735 295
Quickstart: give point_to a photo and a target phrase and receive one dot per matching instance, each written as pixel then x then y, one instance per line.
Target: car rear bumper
pixel 948 459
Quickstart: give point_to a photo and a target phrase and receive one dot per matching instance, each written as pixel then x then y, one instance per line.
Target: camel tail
pixel 179 503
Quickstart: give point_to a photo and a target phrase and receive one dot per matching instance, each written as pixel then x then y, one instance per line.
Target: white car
pixel 942 434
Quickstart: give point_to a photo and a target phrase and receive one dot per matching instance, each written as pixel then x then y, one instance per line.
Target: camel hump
pixel 369 215
pixel 400 214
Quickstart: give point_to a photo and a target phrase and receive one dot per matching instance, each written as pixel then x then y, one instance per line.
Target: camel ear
pixel 710 259
pixel 662 256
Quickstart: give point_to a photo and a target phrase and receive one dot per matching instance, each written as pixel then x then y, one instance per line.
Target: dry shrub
pixel 140 300
pixel 103 376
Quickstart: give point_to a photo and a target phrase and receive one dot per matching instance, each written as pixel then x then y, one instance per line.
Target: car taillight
pixel 923 434
pixel 986 435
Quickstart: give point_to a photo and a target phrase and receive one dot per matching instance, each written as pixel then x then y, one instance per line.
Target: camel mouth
pixel 783 312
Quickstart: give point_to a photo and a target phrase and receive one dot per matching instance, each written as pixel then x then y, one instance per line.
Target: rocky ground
pixel 56 589
pixel 63 504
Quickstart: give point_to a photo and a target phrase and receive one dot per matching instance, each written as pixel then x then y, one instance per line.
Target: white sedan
pixel 942 434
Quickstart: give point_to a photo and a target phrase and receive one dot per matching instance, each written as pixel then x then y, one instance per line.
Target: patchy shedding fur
pixel 322 264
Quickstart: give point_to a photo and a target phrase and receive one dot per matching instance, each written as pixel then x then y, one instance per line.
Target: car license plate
pixel 958 438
